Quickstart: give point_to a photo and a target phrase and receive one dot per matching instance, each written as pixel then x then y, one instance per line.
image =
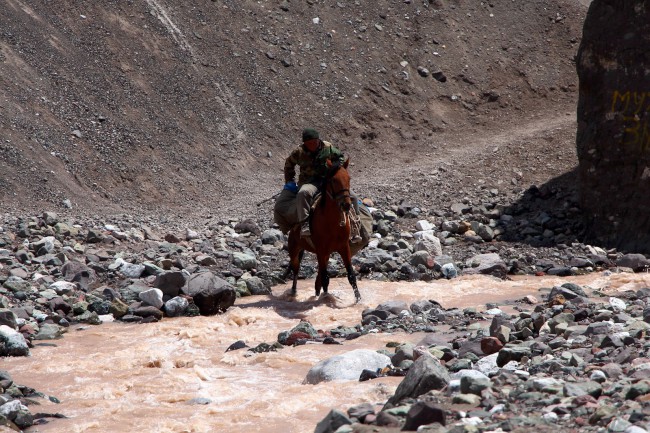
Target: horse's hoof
pixel 289 295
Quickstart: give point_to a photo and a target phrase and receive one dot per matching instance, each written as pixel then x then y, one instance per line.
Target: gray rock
pixel 489 264
pixel 17 413
pixel 50 218
pixel 332 422
pixel 153 297
pixel 577 389
pixel 429 243
pixel 12 342
pixel 474 384
pixel 44 246
pixel 49 331
pixel 176 306
pixel 347 366
pixel 205 260
pixel 211 294
pixel 170 282
pixel 423 258
pixel 425 374
pixel 394 307
pixel 131 270
pixel 256 286
pixel 16 284
pixel 272 236
pixel 637 262
pixel 8 318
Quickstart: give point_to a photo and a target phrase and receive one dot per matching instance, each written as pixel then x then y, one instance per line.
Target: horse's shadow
pixel 292 307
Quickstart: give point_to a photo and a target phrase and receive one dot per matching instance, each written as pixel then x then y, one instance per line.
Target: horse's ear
pixel 345 164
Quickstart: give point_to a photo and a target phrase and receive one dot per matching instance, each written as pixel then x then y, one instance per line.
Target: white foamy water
pixel 139 378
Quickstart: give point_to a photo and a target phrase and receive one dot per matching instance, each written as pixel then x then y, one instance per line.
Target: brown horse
pixel 330 231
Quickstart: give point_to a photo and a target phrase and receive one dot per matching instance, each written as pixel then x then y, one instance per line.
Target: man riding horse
pixel 311 157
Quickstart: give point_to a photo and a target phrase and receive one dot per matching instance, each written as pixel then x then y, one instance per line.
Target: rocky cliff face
pixel 613 139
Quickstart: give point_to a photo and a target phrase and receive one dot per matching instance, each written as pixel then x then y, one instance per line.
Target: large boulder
pixel 613 137
pixel 210 293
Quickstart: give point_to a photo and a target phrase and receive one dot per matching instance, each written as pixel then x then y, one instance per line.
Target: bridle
pixel 338 197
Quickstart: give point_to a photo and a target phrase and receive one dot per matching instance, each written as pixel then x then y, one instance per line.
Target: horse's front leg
pixel 322 280
pixel 346 256
pixel 294 266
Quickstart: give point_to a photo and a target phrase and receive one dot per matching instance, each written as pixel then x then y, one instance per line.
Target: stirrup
pixel 355 227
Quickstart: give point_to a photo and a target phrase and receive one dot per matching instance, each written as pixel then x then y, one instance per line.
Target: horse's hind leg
pixel 352 278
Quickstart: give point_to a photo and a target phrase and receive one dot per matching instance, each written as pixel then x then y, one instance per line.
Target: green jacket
pixel 313 166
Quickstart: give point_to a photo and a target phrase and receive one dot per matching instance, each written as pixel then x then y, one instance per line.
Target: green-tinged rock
pixel 80 307
pixel 637 389
pixel 243 261
pixel 603 414
pixel 305 327
pixel 63 229
pixel 118 308
pixel 401 411
pixel 459 364
pixel 242 289
pixel 17 284
pixel 192 310
pixel 152 269
pixel 436 352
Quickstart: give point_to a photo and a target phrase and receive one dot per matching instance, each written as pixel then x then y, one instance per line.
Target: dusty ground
pixel 185 113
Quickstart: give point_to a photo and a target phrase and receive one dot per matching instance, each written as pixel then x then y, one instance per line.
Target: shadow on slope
pixel 546 215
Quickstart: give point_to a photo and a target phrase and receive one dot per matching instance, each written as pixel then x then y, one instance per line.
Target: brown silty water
pixel 140 378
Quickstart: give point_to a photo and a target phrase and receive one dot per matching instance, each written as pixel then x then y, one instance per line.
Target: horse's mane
pixel 331 170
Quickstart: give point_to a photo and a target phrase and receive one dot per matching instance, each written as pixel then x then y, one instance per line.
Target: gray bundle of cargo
pixel 285 216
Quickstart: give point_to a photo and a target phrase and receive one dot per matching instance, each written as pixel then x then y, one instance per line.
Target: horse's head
pixel 338 184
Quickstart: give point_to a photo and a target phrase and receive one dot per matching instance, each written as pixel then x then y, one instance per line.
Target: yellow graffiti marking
pixel 631 107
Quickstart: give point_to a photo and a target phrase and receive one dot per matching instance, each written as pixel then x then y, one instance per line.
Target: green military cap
pixel 309 134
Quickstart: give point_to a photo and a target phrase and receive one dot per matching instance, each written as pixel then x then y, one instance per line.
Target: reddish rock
pixel 27 330
pixel 583 400
pixel 172 238
pixel 490 345
pixel 295 336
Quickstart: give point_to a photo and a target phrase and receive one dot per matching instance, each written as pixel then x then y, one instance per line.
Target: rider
pixel 312 158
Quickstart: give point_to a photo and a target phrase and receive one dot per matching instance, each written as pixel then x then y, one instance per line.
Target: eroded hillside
pixel 150 104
